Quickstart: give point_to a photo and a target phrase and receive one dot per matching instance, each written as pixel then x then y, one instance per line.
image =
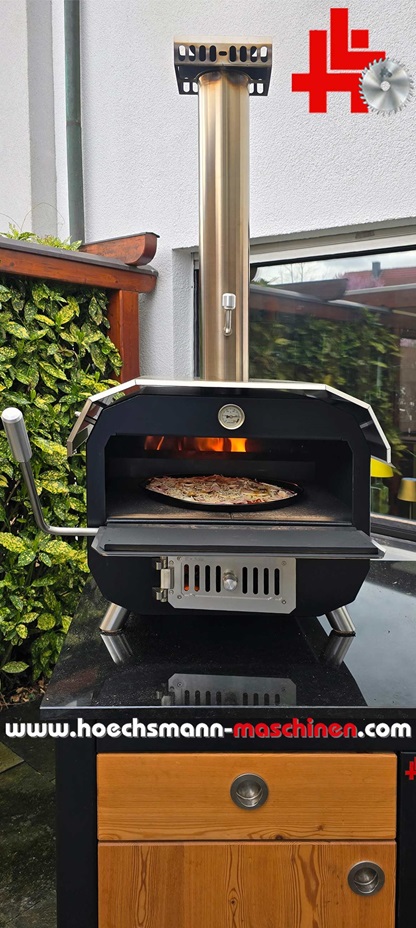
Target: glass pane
pixel 349 322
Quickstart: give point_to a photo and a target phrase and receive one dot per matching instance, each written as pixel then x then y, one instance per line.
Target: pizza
pixel 216 490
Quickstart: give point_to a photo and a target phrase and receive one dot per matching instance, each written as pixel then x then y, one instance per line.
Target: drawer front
pixel 187 797
pixel 241 885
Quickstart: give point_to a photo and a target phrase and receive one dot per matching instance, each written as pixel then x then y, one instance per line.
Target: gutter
pixel 73 120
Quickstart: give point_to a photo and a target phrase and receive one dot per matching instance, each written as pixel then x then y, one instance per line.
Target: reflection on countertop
pixel 223 660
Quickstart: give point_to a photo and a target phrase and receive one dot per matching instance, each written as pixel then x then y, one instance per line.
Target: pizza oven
pixel 304 552
pixel 156 554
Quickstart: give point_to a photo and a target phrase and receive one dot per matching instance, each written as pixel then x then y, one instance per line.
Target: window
pixel 347 319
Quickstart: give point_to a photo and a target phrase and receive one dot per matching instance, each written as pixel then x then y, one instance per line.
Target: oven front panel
pixel 130 579
pixel 323 534
pixel 295 439
pixel 232 583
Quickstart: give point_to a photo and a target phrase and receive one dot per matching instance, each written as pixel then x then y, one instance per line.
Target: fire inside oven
pixel 308 480
pixel 171 444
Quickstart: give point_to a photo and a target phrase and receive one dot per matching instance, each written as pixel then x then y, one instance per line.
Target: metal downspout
pixel 73 120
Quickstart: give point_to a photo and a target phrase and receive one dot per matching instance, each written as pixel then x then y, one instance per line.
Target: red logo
pixel 411 770
pixel 346 63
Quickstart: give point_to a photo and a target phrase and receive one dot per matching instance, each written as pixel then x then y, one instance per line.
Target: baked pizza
pixel 216 490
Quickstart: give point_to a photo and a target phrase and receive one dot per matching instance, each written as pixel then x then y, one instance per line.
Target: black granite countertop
pixel 214 664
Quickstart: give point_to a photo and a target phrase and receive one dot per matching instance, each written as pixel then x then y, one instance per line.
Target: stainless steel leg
pixel 336 648
pixel 118 647
pixel 341 621
pixel 114 619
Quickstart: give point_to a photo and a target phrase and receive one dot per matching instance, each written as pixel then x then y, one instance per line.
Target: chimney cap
pixel 193 57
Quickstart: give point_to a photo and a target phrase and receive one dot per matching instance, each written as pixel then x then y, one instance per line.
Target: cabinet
pixel 176 852
pixel 249 885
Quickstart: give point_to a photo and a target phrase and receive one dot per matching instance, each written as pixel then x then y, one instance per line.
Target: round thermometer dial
pixel 231 416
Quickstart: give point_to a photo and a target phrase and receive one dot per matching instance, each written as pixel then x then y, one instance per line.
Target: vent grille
pixel 193 58
pixel 255 581
pixel 223 54
pixel 242 584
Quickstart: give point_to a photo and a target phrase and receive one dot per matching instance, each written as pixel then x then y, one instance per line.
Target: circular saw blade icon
pixel 386 86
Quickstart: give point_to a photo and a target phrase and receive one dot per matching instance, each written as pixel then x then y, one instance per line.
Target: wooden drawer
pixel 187 797
pixel 241 885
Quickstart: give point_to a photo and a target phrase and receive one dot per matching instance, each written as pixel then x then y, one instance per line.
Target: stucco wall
pixel 15 174
pixel 140 137
pixel 27 120
pixel 307 171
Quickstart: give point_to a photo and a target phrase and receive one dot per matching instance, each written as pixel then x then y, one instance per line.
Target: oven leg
pixel 341 621
pixel 336 648
pixel 120 650
pixel 114 619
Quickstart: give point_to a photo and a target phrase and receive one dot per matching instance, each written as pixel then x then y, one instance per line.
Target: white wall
pixel 44 216
pixel 307 171
pixel 140 137
pixel 58 90
pixel 27 120
pixel 15 173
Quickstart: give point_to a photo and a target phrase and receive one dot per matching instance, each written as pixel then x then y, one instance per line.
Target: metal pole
pixel 224 223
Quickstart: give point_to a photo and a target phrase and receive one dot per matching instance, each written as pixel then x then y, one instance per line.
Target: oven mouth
pixel 318 472
pixel 198 445
pixel 295 489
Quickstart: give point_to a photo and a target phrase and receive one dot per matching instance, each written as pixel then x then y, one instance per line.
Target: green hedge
pixel 54 353
pixel 361 358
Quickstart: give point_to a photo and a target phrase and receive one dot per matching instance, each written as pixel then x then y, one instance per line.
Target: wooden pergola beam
pixel 74 267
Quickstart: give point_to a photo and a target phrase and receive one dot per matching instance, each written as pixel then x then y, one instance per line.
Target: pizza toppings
pixel 216 490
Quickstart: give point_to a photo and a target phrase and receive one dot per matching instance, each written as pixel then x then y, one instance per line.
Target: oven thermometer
pixel 230 416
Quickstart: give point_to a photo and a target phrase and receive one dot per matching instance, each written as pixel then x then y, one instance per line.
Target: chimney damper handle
pixel 18 439
pixel 228 304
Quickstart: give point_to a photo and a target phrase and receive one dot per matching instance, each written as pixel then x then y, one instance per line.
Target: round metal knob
pixel 249 791
pixel 229 580
pixel 366 878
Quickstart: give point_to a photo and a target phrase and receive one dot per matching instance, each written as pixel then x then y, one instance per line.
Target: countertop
pixel 221 664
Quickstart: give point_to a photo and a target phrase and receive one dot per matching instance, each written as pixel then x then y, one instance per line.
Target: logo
pixel 373 81
pixel 411 770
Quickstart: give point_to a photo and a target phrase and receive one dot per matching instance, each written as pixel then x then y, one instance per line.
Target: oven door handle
pixel 18 439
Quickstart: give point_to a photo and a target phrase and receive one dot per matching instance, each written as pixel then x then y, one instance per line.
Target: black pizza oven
pixel 153 554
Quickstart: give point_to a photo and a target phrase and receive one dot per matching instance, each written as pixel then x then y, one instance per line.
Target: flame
pixel 238 444
pixel 173 443
pixel 206 444
pixel 219 444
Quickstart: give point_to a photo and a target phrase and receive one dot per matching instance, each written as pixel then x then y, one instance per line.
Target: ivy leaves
pixel 54 352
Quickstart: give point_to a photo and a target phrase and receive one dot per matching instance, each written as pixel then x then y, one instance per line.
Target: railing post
pixel 123 316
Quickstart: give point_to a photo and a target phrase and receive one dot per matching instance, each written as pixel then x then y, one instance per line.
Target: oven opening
pixel 196 445
pixel 321 469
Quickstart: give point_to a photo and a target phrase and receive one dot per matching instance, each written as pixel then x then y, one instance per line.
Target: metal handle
pixel 228 304
pixel 366 878
pixel 249 791
pixel 14 425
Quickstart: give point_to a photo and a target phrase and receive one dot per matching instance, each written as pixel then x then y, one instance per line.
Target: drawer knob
pixel 366 878
pixel 249 791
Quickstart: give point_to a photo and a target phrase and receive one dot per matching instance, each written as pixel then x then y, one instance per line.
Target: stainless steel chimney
pixel 224 74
